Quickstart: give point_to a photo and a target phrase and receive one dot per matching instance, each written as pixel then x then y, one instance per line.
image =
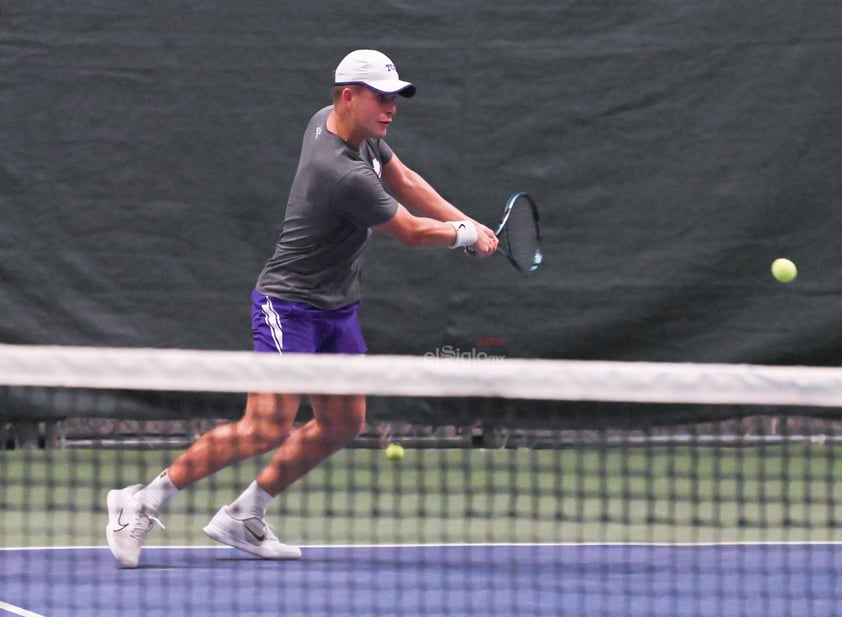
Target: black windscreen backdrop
pixel 675 149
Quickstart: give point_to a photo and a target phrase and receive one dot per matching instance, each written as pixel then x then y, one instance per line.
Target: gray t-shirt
pixel 336 196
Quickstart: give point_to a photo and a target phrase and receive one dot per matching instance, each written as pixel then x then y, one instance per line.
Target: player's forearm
pixel 420 231
pixel 419 196
pixel 430 233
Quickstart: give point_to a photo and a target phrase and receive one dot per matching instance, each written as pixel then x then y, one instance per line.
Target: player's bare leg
pixel 266 423
pixel 337 420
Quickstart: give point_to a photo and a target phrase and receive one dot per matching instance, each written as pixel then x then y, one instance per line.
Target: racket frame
pixel 538 256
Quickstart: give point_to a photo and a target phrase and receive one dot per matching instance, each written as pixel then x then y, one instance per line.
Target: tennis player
pixel 348 182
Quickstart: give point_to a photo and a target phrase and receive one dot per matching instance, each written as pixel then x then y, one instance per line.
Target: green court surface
pixel 670 494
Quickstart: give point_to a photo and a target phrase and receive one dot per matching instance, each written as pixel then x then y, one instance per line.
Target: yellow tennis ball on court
pixel 784 270
pixel 394 451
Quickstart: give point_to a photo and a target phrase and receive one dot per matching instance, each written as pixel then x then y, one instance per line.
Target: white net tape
pixel 227 371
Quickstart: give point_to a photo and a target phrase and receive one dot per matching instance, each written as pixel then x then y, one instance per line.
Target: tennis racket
pixel 519 233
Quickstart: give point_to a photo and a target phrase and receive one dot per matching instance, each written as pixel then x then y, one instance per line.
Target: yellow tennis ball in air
pixel 784 270
pixel 394 451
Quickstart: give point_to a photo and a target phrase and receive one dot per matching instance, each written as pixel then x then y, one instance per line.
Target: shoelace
pixel 269 530
pixel 143 525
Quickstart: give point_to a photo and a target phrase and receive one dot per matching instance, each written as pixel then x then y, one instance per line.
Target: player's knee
pixel 263 435
pixel 344 428
pixel 356 426
pixel 347 430
pixel 267 422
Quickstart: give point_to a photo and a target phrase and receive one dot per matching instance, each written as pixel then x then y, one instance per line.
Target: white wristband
pixel 466 233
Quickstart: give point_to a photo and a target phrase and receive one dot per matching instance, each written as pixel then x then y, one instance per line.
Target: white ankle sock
pixel 158 492
pixel 252 502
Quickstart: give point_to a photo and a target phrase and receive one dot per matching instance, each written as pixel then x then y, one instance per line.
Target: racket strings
pixel 520 236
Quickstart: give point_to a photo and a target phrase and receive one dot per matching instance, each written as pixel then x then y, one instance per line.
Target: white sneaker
pixel 252 535
pixel 128 524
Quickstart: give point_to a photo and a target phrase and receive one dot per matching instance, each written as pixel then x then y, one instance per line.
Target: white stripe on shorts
pixel 273 320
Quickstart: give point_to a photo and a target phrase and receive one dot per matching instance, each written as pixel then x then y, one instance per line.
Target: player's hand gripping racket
pixel 519 233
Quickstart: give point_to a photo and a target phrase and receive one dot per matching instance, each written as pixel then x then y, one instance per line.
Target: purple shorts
pixel 292 327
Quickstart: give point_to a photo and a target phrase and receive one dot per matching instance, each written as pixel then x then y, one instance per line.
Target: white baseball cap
pixel 371 68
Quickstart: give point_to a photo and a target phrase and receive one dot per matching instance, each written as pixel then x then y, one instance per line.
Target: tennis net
pixel 527 487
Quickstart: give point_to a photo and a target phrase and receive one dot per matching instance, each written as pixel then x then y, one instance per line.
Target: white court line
pixel 16 610
pixel 597 544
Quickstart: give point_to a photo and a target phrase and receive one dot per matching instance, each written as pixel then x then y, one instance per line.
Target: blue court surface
pixel 762 580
